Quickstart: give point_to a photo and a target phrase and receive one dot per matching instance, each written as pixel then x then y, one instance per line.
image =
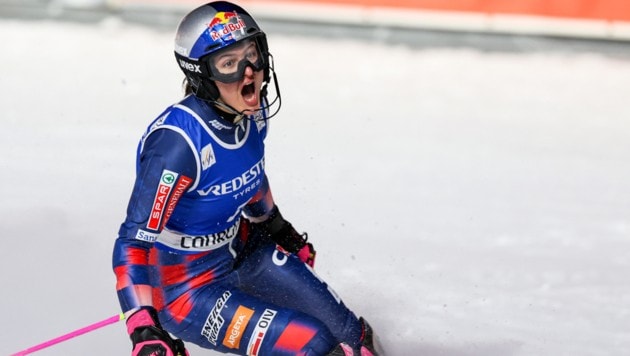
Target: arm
pixel 261 206
pixel 165 154
pixel 163 150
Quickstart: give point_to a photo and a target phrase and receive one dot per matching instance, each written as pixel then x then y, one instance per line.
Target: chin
pixel 249 112
pixel 250 109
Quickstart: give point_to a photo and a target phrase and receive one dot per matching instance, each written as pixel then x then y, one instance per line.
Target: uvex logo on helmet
pixel 224 23
pixel 196 68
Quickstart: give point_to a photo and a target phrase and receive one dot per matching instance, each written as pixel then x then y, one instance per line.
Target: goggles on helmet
pixel 228 64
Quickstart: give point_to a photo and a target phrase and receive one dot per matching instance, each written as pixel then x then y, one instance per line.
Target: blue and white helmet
pixel 206 31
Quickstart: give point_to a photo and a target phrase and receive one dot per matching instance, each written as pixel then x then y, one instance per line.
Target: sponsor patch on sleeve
pixel 169 191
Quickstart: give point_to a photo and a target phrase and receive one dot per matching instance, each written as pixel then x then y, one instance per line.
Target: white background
pixel 465 202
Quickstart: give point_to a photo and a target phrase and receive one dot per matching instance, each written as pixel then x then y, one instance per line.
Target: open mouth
pixel 249 94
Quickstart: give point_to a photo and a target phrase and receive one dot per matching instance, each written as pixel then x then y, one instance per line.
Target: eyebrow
pixel 231 52
pixel 242 46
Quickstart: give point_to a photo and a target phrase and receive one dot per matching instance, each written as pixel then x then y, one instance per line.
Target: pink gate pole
pixel 70 335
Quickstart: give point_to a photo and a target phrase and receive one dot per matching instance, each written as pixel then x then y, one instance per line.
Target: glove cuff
pixel 275 222
pixel 146 316
pixel 307 254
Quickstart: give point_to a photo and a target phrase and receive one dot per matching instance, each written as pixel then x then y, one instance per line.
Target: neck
pixel 228 113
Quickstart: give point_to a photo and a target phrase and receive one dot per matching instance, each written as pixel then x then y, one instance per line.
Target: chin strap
pixel 238 116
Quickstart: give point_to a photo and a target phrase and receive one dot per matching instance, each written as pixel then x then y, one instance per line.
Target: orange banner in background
pixel 603 19
pixel 609 10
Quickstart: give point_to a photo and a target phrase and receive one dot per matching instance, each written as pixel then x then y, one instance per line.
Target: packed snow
pixel 466 202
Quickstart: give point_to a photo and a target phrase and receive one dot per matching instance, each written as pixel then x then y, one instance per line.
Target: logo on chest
pixel 207 157
pixel 246 182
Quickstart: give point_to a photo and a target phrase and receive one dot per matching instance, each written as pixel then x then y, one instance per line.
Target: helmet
pixel 205 32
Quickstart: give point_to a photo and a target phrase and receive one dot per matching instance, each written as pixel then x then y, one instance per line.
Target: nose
pixel 249 71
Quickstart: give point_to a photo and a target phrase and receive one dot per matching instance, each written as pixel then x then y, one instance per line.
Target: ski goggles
pixel 228 64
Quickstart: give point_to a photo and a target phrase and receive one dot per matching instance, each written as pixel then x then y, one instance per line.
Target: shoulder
pixel 184 118
pixel 169 148
pixel 172 133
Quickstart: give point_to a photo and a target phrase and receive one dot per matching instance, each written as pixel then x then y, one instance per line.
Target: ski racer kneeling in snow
pixel 204 253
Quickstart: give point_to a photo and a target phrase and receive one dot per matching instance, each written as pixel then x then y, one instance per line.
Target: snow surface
pixel 465 202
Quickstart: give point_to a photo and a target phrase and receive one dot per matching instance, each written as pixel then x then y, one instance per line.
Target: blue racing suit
pixel 187 247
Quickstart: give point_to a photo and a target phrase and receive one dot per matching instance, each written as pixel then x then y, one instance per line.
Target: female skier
pixel 204 253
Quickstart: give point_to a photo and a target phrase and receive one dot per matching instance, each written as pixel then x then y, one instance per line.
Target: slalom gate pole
pixel 70 335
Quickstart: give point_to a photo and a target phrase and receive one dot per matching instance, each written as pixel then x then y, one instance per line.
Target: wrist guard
pixel 285 235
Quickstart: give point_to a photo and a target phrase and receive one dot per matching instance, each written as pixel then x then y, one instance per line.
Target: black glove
pixel 283 233
pixel 148 337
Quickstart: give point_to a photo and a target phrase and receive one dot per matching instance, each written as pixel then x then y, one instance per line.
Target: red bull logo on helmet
pixel 224 24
